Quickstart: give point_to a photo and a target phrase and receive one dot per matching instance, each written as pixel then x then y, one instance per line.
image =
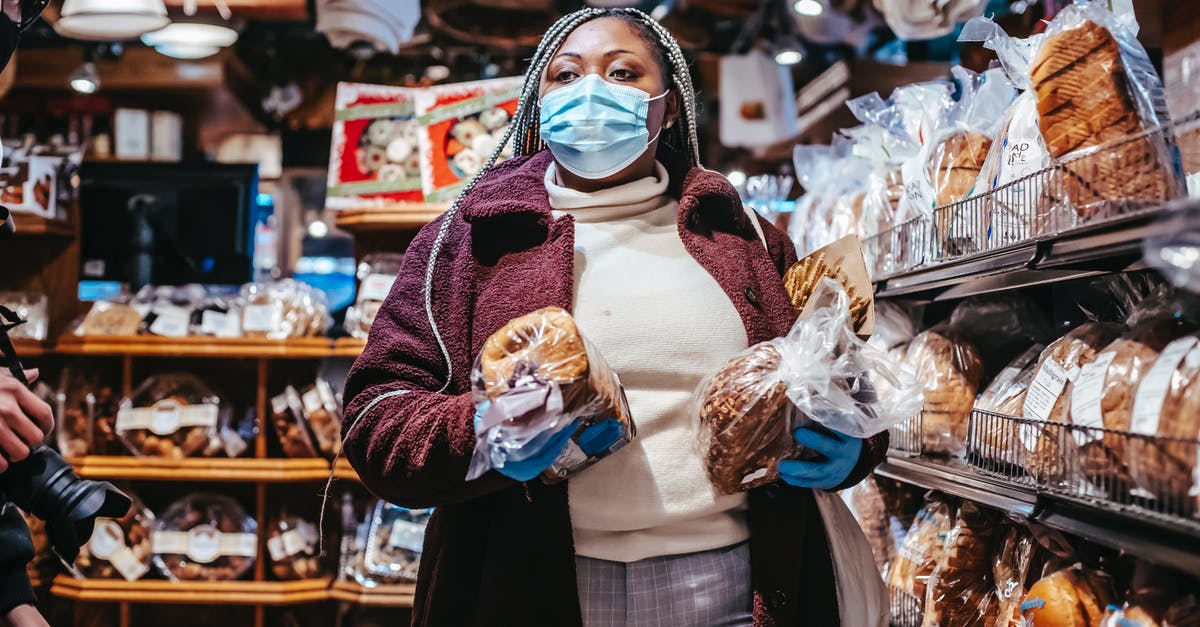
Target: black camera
pixel 45 485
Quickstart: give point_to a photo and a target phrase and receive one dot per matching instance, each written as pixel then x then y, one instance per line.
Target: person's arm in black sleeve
pixel 16 550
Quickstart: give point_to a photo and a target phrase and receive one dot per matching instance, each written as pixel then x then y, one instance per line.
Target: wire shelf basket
pixel 1127 176
pixel 906 608
pixel 1121 471
pixel 905 437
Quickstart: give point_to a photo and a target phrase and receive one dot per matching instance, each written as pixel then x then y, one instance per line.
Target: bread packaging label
pixel 166 417
pixel 845 258
pixel 219 324
pixel 203 544
pixel 262 318
pixel 1152 391
pixel 289 543
pixel 1086 396
pixel 170 321
pixel 376 286
pixel 1043 393
pixel 108 543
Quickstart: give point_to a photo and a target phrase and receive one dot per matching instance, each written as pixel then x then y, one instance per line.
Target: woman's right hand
pixel 533 462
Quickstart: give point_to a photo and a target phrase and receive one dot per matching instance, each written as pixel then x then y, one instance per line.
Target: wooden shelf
pixel 202 469
pixel 348 347
pixel 400 217
pixel 155 346
pixel 384 595
pixel 30 225
pixel 192 592
pixel 30 348
pixel 343 470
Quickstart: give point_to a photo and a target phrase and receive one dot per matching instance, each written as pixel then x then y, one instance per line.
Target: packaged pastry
pixel 1095 84
pixel 110 319
pixel 921 551
pixel 1010 573
pixel 882 189
pixel 960 591
pixel 1103 394
pixel 950 370
pixel 173 415
pixel 394 543
pixel 537 361
pixel 1166 410
pixel 324 417
pixel 287 416
pixel 1004 396
pixel 283 309
pixel 1128 616
pixel 216 316
pixel 167 311
pixel 871 510
pixel 1070 597
pixel 120 548
pixel 293 544
pixel 376 274
pixel 1049 393
pixel 374 159
pixel 205 537
pixel 32 308
pixel 821 372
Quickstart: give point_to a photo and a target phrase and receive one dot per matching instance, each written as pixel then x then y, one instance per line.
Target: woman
pixel 604 212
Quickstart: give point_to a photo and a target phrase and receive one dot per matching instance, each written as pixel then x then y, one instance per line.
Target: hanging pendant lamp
pixel 191 40
pixel 110 20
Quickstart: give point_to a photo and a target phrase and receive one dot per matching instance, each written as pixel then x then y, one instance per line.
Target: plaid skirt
pixel 708 589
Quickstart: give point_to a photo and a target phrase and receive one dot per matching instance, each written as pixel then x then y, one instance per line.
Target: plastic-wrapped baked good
pixel 324 417
pixel 1070 597
pixel 108 318
pixel 120 548
pixel 172 415
pixel 217 317
pixel 870 510
pixel 287 416
pixel 376 274
pixel 205 537
pixel 1010 572
pixel 394 543
pixel 1004 396
pixel 293 544
pixel 921 551
pixel 167 311
pixel 541 360
pixel 1166 409
pixel 283 309
pixel 960 591
pixel 1128 616
pixel 950 369
pixel 1049 394
pixel 30 307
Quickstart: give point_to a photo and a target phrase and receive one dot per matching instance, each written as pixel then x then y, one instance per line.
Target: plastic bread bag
pixel 535 377
pixel 287 417
pixel 881 191
pixel 395 540
pixel 110 318
pixel 167 311
pixel 283 309
pixel 816 169
pixel 174 415
pixel 323 414
pixel 950 369
pixel 1098 92
pixel 205 537
pixel 867 505
pixel 30 307
pixel 997 436
pixel 293 545
pixel 376 274
pixel 217 316
pixel 1010 572
pixel 820 372
pixel 1174 247
pixel 917 558
pixel 1072 596
pixel 1021 205
pixel 960 592
pixel 120 548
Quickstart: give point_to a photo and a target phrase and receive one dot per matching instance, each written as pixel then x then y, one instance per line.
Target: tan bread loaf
pixel 1009 573
pixel 873 517
pixel 960 592
pixel 746 416
pixel 1165 465
pixel 955 163
pixel 1003 398
pixel 1073 597
pixel 1084 100
pixel 950 369
pixel 545 344
pixel 1041 454
pixel 921 551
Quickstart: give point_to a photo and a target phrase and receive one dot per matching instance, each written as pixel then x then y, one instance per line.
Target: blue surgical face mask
pixel 595 128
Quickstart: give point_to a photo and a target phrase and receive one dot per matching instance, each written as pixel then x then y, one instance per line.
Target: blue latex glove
pixel 841 454
pixel 535 463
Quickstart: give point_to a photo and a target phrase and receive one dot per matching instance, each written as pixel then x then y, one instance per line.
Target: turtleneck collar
pixel 615 203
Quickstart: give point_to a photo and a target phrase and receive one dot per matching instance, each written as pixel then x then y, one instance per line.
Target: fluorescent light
pixel 85 80
pixel 789 56
pixel 809 8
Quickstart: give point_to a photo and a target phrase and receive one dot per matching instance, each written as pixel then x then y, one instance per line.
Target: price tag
pixel 1045 389
pixel 1152 391
pixel 170 321
pixel 1086 396
pixel 262 318
pixel 218 324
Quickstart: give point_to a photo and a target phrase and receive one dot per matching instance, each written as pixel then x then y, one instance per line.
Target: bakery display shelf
pixel 155 346
pixel 343 470
pixel 192 592
pixel 348 347
pixel 382 595
pixel 29 225
pixel 396 217
pixel 31 348
pixel 201 469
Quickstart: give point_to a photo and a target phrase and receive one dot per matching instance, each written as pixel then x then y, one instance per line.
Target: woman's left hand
pixel 841 454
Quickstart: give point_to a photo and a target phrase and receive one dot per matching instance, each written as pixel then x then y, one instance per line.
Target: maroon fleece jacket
pixel 498 552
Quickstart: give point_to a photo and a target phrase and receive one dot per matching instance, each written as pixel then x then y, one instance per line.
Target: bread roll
pixel 1169 403
pixel 1073 597
pixel 921 551
pixel 950 369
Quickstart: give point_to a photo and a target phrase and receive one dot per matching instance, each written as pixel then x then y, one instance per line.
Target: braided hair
pixel 523 131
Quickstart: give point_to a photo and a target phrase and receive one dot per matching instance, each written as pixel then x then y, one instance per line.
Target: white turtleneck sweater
pixel 663 324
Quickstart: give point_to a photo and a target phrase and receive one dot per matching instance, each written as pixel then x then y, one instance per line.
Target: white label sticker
pixel 1030 436
pixel 262 318
pixel 204 544
pixel 1043 393
pixel 407 535
pixel 170 321
pixel 1152 391
pixel 166 417
pixel 286 544
pixel 570 459
pixel 215 323
pixel 126 563
pixel 312 401
pixel 1086 396
pixel 376 287
pixel 106 538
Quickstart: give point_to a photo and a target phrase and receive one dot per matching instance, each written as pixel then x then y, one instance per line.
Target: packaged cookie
pixel 110 319
pixel 374 159
pixel 541 360
pixel 287 416
pixel 205 537
pixel 167 311
pixel 293 544
pixel 376 274
pixel 120 548
pixel 173 415
pixel 394 543
pixel 323 414
pixel 283 309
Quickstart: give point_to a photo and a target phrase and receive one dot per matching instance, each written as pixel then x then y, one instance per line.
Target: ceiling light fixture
pixel 809 8
pixel 186 52
pixel 110 20
pixel 85 79
pixel 191 40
